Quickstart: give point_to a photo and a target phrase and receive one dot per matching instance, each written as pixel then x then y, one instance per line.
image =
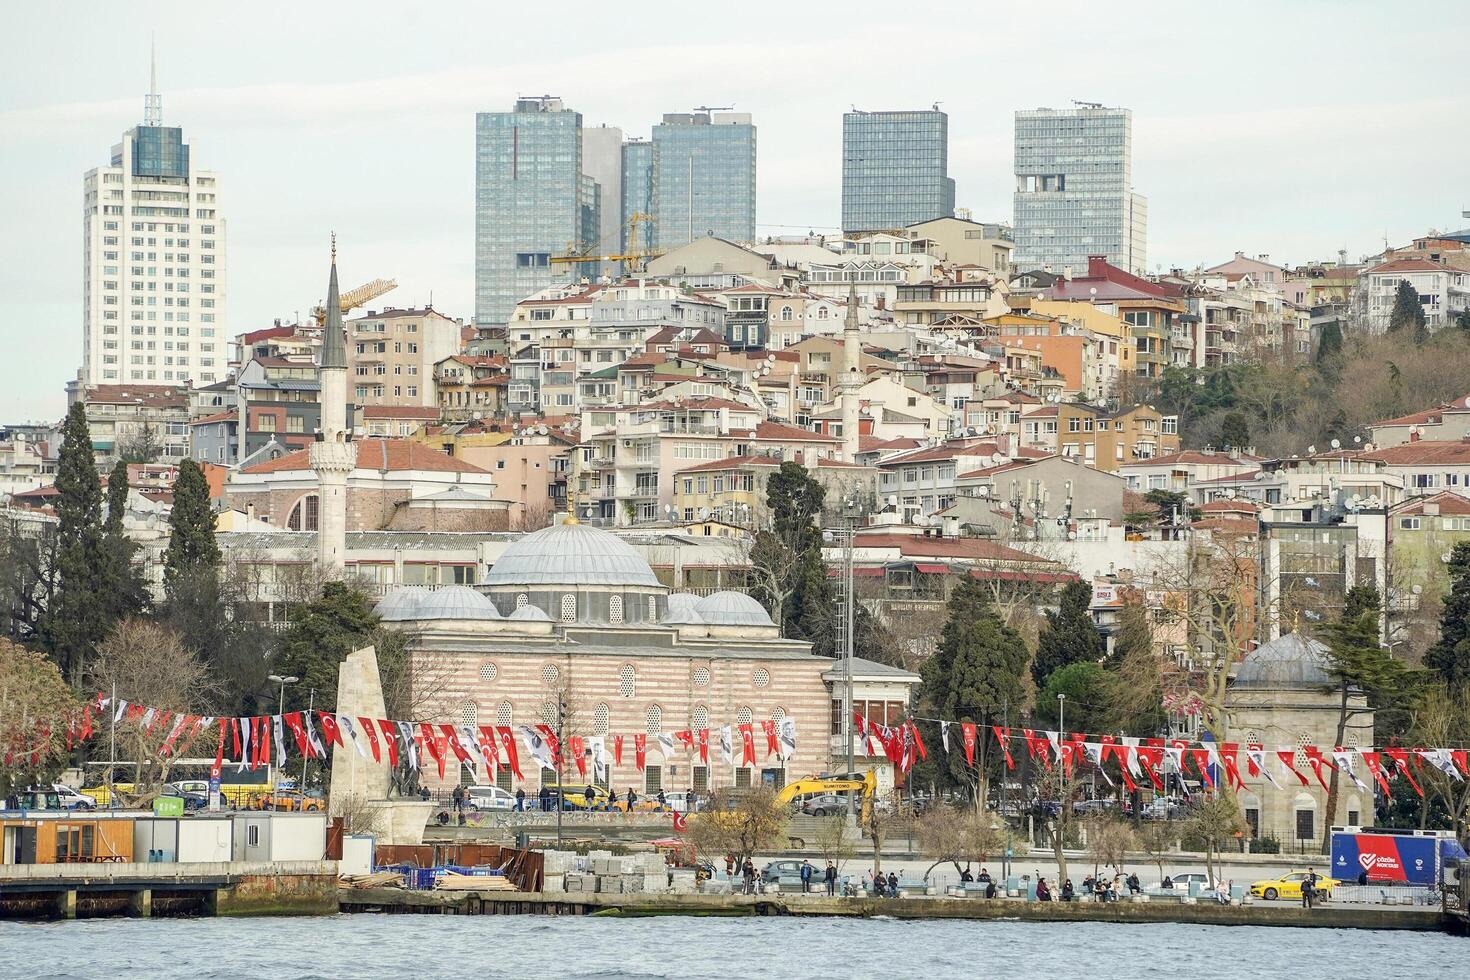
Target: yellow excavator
pixel 865 784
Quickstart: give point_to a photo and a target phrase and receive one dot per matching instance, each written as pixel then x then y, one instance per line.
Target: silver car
pixel 489 798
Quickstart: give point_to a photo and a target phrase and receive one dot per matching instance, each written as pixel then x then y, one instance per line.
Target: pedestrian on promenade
pixel 663 802
pixel 545 799
pixel 730 866
pixel 1067 890
pixel 456 799
pixel 521 800
pixel 612 799
pixel 984 878
pixel 632 798
pixel 831 877
pixel 965 877
pixel 1135 887
pixel 1167 882
pixel 590 795
pixel 892 885
pixel 1309 888
pixel 1043 893
pixel 867 882
pixel 749 877
pixel 806 876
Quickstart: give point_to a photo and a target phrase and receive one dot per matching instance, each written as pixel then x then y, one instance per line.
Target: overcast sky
pixel 1287 128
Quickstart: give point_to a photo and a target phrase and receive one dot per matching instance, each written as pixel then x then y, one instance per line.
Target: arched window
pixel 786 313
pixel 777 714
pixel 743 717
pixel 548 713
pixel 599 720
pixel 469 714
pixel 504 715
pixel 568 608
pixel 304 516
pixel 653 609
pixel 522 599
pixel 625 681
pixel 821 313
pixel 615 610
pixel 655 719
pixel 701 717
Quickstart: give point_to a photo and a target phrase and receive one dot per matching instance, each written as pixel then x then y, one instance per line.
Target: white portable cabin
pixel 272 836
pixel 183 839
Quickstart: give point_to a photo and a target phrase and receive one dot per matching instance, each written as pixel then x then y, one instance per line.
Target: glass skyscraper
pixel 895 169
pixel 1074 190
pixel 704 178
pixel 637 191
pixel 532 201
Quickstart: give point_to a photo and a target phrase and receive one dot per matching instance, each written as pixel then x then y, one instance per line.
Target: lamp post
pixel 850 515
pixel 1064 806
pixel 280 710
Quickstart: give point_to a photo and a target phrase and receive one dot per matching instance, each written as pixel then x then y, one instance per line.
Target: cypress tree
pixel 1069 636
pixel 1450 657
pixel 191 543
pixel 1408 313
pixel 75 621
pixel 124 593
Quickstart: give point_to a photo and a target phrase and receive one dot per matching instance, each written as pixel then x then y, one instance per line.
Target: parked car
pixel 489 798
pixel 193 800
pixel 1083 807
pixel 1290 886
pixel 73 800
pixel 290 799
pixel 683 801
pixel 776 870
pixel 824 805
pixel 1183 880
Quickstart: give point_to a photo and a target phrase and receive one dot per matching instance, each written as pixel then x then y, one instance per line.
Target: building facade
pixel 532 200
pixel 391 355
pixel 602 160
pixel 153 263
pixel 895 169
pixel 704 177
pixel 1074 190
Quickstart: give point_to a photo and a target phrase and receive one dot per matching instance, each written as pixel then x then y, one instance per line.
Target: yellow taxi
pixel 1290 886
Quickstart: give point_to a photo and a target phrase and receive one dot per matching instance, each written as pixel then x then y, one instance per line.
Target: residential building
pixel 1154 311
pixel 959 241
pixel 392 421
pixel 153 263
pixel 470 385
pixel 1107 439
pixel 24 464
pixel 391 355
pixel 532 200
pixel 1177 472
pixel 895 169
pixel 731 489
pixel 1043 498
pixel 1074 190
pixel 704 177
pixel 1448 422
pixel 530 462
pixel 1427 466
pixel 1422 531
pixel 148 423
pixel 278 404
pixel 1444 290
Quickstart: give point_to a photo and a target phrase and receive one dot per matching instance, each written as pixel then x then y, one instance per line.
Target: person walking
pixel 1309 888
pixel 632 798
pixel 590 795
pixel 521 800
pixel 806 876
pixel 831 877
pixel 749 877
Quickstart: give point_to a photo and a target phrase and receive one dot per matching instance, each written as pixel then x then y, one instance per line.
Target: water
pixel 486 947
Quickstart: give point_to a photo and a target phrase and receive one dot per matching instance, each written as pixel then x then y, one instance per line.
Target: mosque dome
pixel 683 615
pixel 456 602
pixel 1291 661
pixel 682 600
pixel 571 554
pixel 401 603
pixel 731 609
pixel 530 614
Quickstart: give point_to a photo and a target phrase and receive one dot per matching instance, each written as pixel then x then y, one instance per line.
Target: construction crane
pixel 354 298
pixel 714 108
pixel 636 257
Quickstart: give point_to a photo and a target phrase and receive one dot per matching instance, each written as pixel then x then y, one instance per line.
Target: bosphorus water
pixel 488 947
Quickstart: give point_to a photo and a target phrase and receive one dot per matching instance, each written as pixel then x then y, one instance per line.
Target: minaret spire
pixel 852 378
pixel 333 454
pixel 153 102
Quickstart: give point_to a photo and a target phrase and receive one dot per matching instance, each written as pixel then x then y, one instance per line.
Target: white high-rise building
pixel 153 263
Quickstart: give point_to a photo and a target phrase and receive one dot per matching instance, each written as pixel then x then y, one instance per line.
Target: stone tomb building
pixel 573 614
pixel 1280 698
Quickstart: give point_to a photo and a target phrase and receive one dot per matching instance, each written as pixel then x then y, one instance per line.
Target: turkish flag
pixel 579 754
pixel 704 746
pixel 451 738
pixel 681 822
pixel 329 725
pixel 1286 756
pixel 747 745
pixel 772 746
pixel 1400 759
pixel 618 749
pixel 508 743
pixel 918 742
pixel 390 738
pixel 967 732
pixel 1003 736
pixel 640 750
pixel 369 726
pixel 1201 759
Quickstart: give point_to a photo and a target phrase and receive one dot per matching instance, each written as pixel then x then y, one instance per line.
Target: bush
pixel 1265 845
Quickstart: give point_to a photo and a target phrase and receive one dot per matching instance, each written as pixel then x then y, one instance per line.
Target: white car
pixel 73 800
pixel 682 801
pixel 489 798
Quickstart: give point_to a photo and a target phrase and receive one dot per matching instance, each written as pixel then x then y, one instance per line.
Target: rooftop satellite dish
pixel 1336 444
pixel 704 513
pixel 1311 449
pixel 541 430
pixel 997 458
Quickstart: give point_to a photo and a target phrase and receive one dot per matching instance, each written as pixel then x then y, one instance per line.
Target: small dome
pixel 732 609
pixel 530 614
pixel 1292 661
pixel 401 603
pixel 456 602
pixel 571 554
pixel 683 614
pixel 682 600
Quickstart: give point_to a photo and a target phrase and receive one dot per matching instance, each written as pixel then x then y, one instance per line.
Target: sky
pixel 1291 129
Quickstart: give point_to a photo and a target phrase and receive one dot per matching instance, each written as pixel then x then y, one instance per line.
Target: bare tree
pixel 532 517
pixel 147 664
pixel 1441 719
pixel 27 571
pixel 1108 841
pixel 1157 838
pixel 833 841
pixel 885 816
pixel 754 822
pixel 955 834
pixel 34 703
pixel 1216 821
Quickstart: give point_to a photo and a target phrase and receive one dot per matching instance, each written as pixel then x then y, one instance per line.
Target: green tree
pixel 1358 666
pixel 1235 431
pixel 75 620
pixel 1068 636
pixel 974 673
pixel 320 636
pixel 1088 687
pixel 1407 314
pixel 786 559
pixel 1329 346
pixel 124 591
pixel 191 541
pixel 1135 674
pixel 1462 320
pixel 1450 657
pixel 202 609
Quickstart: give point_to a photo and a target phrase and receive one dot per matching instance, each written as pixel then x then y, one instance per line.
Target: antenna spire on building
pixel 152 102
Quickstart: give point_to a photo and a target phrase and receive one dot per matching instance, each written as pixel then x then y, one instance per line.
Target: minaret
pixel 852 377
pixel 333 455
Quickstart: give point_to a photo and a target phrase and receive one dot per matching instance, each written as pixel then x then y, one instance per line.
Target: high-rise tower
pixel 895 169
pixel 153 261
pixel 333 454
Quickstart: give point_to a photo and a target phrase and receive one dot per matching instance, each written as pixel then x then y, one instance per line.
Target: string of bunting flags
pixel 1137 759
pixel 247 743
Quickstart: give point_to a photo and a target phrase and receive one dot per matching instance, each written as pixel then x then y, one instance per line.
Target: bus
pixel 241 789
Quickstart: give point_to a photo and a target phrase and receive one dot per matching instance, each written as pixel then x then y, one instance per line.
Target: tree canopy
pixel 1450 657
pixel 191 542
pixel 1069 635
pixel 75 620
pixel 321 635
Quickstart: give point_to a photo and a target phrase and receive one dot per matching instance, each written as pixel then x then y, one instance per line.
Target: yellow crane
pixel 636 257
pixel 354 298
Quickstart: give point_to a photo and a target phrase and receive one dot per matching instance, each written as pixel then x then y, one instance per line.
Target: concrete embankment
pixel 392 900
pixel 142 890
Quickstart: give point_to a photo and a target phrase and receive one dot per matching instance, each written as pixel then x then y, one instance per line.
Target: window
pixel 700 717
pixel 655 719
pixel 701 679
pixel 615 610
pixel 469 712
pixel 653 781
pixel 549 714
pixel 1408 523
pixel 252 835
pixel 626 678
pixel 743 716
pixel 761 677
pixel 503 714
pixel 1306 825
pixel 568 608
pixel 599 720
pixel 550 675
pixel 488 671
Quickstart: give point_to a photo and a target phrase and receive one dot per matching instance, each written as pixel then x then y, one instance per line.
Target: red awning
pixel 931 568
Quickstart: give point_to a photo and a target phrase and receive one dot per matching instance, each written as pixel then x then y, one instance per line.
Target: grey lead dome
pixel 1288 662
pixel 571 554
pixel 732 609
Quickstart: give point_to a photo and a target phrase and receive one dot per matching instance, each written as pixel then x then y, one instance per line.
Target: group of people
pixel 983 878
pixel 829 877
pixel 1102 889
pixel 745 870
pixel 879 885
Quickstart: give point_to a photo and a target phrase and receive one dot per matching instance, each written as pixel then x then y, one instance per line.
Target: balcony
pixel 602 462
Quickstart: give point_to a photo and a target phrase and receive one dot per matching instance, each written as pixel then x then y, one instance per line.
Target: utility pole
pixel 1005 726
pixel 306 756
pixel 561 756
pixel 112 750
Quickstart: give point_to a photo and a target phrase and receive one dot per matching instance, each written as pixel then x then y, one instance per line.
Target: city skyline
pixel 1267 157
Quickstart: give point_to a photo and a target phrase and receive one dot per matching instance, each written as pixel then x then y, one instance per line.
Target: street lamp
pixel 280 710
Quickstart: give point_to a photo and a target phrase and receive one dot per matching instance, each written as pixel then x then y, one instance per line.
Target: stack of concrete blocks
pixel 557 866
pixel 645 872
pixel 580 883
pixel 685 881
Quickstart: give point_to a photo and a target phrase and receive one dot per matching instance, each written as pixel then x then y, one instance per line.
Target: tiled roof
pixel 153 396
pixel 393 455
pixel 732 463
pixel 1408 265
pixel 789 433
pixel 872 444
pixel 217 417
pixel 993 470
pixel 1194 456
pixel 1450 505
pixel 1428 452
